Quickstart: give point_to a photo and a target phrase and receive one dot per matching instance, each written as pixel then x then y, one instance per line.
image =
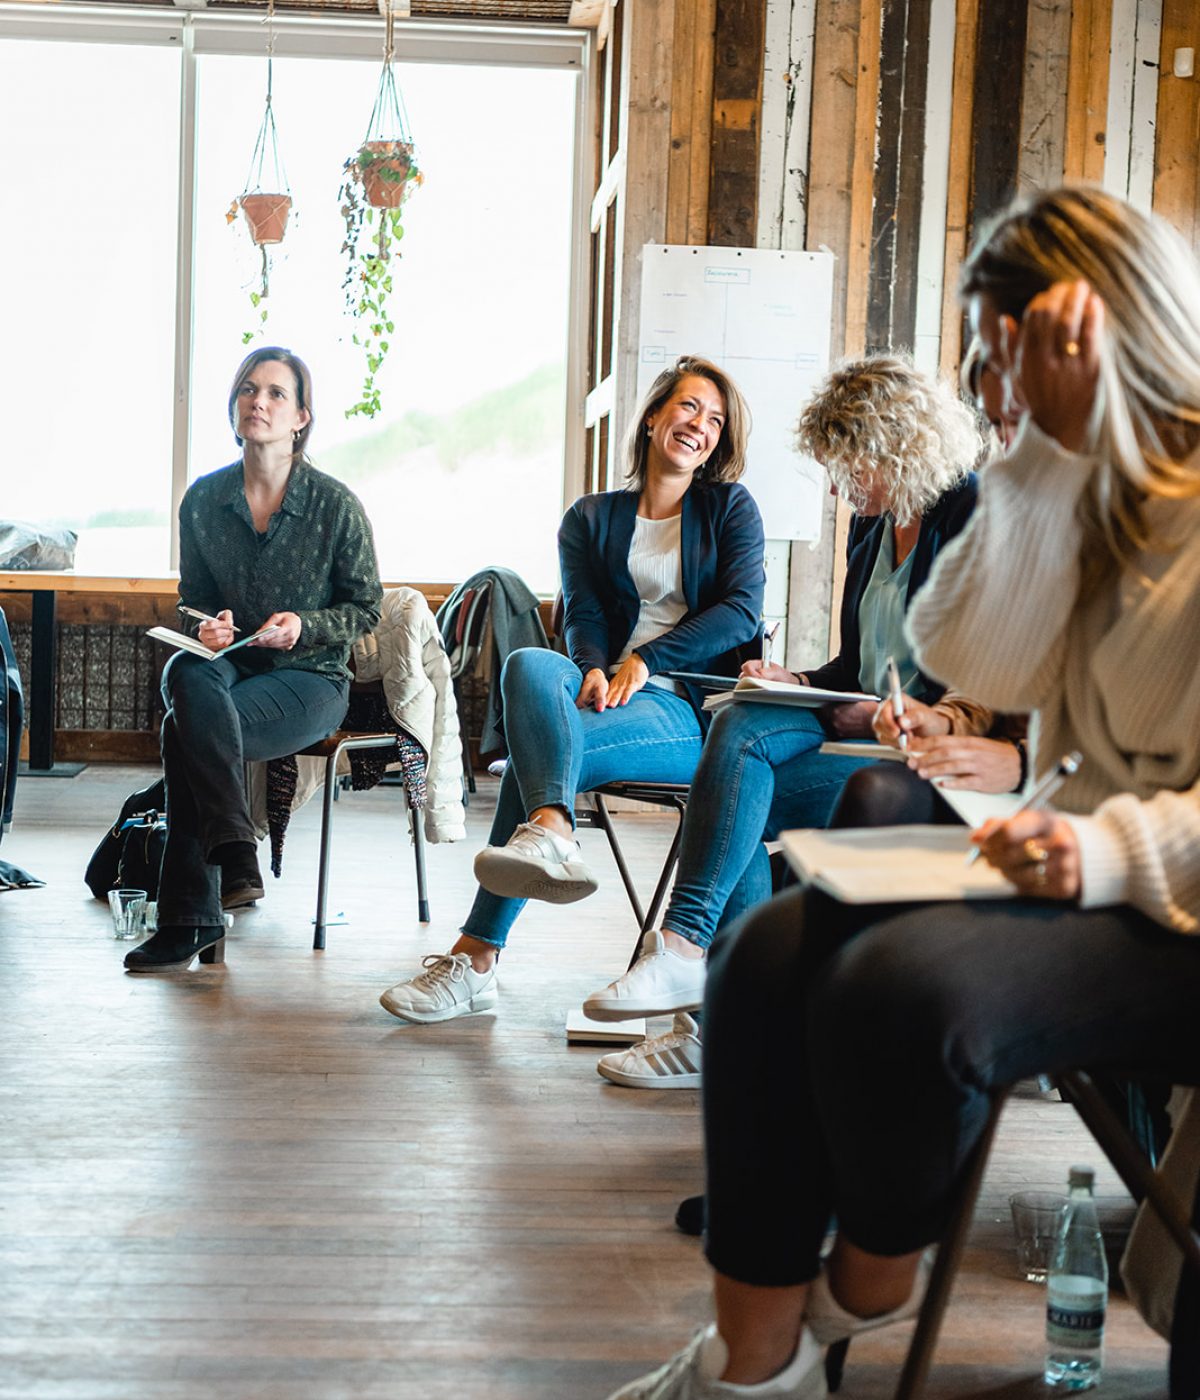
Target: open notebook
pixel 197 648
pixel 808 697
pixel 893 864
pixel 973 807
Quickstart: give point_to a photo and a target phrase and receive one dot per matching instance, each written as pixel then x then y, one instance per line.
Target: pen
pixel 1042 792
pixel 768 638
pixel 897 697
pixel 203 617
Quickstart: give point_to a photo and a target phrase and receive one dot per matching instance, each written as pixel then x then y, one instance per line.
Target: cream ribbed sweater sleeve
pixel 991 619
pixel 999 620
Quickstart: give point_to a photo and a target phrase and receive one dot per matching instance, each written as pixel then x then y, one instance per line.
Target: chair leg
pixel 327 799
pixel 949 1254
pixel 418 833
pixel 605 819
pixel 668 870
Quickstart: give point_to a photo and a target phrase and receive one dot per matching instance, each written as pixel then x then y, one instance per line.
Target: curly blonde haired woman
pixel 899 448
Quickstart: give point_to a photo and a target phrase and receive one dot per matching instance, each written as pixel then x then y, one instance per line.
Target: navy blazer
pixel 940 523
pixel 721 539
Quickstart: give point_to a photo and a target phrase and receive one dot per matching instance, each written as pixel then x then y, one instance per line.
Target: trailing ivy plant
pixel 374 226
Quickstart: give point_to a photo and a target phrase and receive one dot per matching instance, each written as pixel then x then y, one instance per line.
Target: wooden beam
pixel 1177 140
pixel 587 14
pixel 1042 149
pixel 1087 90
pixel 736 105
pixel 862 181
pixel 997 118
pixel 958 195
pixel 691 121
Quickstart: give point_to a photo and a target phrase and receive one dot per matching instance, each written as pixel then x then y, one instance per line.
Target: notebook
pixel 197 648
pixel 760 690
pixel 893 864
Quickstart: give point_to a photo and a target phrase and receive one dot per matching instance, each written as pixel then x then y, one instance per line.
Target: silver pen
pixel 768 638
pixel 204 617
pixel 897 697
pixel 1068 764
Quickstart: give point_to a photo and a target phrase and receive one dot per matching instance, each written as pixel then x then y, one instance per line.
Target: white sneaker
pixel 657 984
pixel 535 864
pixel 830 1322
pixel 449 987
pixel 690 1375
pixel 670 1061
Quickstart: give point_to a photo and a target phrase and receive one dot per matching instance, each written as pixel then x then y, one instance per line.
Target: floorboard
pixel 251 1182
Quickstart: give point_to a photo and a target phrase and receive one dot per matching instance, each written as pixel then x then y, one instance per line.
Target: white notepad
pixel 762 691
pixel 973 807
pixel 197 648
pixel 893 864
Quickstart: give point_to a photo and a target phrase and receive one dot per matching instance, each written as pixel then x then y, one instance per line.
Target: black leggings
pixel 850 1051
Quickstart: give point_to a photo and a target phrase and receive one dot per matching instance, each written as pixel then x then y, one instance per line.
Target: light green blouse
pixel 881 622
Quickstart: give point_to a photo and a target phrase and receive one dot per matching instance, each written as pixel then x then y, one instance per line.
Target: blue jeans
pixel 557 751
pixel 760 774
pixel 218 719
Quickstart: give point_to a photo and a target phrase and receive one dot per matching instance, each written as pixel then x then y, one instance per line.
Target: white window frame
pixel 336 36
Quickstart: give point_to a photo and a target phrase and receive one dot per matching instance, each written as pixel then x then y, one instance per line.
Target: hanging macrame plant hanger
pixel 385 158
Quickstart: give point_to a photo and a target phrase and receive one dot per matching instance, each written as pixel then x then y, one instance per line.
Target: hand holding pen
pixel 1034 849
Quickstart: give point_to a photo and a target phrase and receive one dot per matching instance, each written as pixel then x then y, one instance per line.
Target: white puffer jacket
pixel 405 652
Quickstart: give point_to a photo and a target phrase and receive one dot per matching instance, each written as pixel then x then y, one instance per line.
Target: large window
pixel 464 466
pixel 87 286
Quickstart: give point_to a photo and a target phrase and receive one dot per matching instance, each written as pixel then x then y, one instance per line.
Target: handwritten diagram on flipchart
pixel 763 316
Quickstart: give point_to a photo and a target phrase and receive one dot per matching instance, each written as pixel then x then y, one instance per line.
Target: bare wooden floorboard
pixel 253 1183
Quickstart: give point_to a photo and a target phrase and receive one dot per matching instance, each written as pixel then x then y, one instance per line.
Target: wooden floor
pixel 252 1182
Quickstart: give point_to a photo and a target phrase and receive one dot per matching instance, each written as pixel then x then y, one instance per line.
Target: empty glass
pixel 1038 1219
pixel 128 913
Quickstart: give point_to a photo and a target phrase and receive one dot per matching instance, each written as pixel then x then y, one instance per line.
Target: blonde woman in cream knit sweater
pixel 851 1051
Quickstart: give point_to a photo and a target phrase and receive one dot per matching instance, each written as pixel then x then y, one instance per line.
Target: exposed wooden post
pixel 1087 89
pixel 1177 147
pixel 736 103
pixel 691 121
pixel 958 192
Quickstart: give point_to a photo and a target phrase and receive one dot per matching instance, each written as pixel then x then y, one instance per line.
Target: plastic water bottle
pixel 1077 1293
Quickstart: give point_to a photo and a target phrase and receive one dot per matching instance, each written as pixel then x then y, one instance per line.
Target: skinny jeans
pixel 760 773
pixel 218 719
pixel 850 1053
pixel 557 751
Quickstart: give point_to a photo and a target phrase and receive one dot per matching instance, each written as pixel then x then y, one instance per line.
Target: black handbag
pixel 130 855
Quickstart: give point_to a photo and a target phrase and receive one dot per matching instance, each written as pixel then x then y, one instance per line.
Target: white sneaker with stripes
pixel 670 1061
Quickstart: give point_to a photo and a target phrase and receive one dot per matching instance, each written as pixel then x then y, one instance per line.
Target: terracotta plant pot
pixel 267 215
pixel 381 191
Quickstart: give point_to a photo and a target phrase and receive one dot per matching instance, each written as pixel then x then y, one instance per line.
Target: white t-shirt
pixel 656 567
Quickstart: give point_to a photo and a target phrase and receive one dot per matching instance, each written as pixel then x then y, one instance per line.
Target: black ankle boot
pixel 241 879
pixel 172 949
pixel 690 1217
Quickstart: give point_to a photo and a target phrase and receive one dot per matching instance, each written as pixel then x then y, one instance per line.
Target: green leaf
pixel 389 326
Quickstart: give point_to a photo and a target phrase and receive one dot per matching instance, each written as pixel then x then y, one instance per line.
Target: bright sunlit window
pixel 464 465
pixel 87 286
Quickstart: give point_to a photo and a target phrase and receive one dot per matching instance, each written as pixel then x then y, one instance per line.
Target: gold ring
pixel 1071 348
pixel 1035 854
pixel 1039 874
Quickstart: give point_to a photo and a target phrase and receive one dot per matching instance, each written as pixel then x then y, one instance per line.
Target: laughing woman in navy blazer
pixel 666 575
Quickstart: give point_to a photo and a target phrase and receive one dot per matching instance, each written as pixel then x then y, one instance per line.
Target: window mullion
pixel 184 278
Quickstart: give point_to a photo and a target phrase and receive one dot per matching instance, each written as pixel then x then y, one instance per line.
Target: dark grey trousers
pixel 850 1051
pixel 218 718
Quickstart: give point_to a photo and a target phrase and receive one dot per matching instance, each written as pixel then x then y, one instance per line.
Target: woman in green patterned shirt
pixel 267 543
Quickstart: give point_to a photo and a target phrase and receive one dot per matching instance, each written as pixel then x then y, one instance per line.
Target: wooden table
pixel 44 586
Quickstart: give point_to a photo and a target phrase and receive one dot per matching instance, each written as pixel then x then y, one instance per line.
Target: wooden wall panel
pixel 997 125
pixel 736 105
pixel 691 122
pixel 1042 157
pixel 1087 90
pixel 1177 147
pixel 958 194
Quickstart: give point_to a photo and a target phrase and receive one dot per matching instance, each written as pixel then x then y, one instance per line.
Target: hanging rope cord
pixel 388 101
pixel 267 143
